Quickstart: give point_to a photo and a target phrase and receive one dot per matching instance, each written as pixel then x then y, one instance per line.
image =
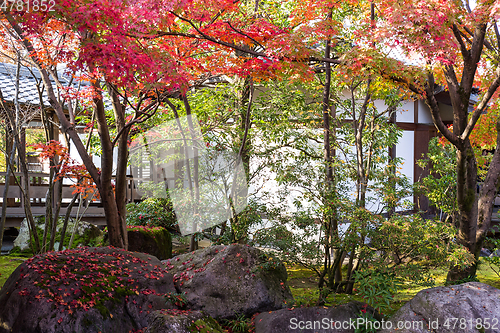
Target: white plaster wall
pixel 96 159
pixel 380 105
pixel 424 114
pixel 405 113
pixel 404 149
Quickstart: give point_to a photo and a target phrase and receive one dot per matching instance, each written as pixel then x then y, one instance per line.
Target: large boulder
pixel 181 321
pixel 228 281
pixel 155 241
pixel 84 290
pixel 345 318
pixel 85 233
pixel 458 308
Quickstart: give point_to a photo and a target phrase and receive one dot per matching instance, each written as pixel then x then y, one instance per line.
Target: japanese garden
pixel 249 166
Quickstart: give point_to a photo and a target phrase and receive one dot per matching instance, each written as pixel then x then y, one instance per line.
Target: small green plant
pixel 465 280
pixel 268 263
pixel 238 230
pixel 377 287
pixel 440 184
pixel 300 301
pixel 241 324
pixel 177 299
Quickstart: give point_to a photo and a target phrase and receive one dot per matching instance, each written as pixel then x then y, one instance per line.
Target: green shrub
pixel 153 212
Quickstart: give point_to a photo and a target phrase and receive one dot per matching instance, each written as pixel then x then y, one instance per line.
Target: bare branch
pixel 435 112
pixel 203 36
pixel 480 108
pixel 143 116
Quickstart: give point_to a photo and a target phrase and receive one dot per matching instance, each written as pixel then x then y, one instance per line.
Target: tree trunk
pixel 16 126
pixel 475 210
pixel 121 162
pixel 10 160
pixel 66 220
pixel 467 205
pixel 329 181
pixel 193 243
pixel 114 222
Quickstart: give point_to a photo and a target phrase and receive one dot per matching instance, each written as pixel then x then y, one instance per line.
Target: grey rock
pixel 85 290
pixel 228 281
pixel 181 321
pixel 317 319
pixel 452 309
pixel 23 238
pixel 485 252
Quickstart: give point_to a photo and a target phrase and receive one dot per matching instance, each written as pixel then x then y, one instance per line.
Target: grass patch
pixel 303 284
pixel 486 275
pixel 8 264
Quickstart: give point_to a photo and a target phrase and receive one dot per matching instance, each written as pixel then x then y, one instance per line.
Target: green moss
pixel 205 325
pixel 100 291
pixel 307 293
pixel 86 321
pixel 16 251
pixel 8 264
pixel 103 310
pixel 161 237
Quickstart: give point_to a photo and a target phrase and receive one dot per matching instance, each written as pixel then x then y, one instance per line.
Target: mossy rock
pixel 87 290
pixel 155 241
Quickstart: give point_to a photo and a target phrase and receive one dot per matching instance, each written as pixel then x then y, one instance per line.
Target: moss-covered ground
pixel 303 284
pixel 7 265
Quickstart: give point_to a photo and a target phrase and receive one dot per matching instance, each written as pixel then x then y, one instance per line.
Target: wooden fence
pixel 39 185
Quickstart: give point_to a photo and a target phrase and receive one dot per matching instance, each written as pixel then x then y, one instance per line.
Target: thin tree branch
pixel 435 112
pixel 244 34
pixel 481 107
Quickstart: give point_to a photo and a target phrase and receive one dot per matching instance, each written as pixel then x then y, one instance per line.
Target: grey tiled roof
pixel 28 78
